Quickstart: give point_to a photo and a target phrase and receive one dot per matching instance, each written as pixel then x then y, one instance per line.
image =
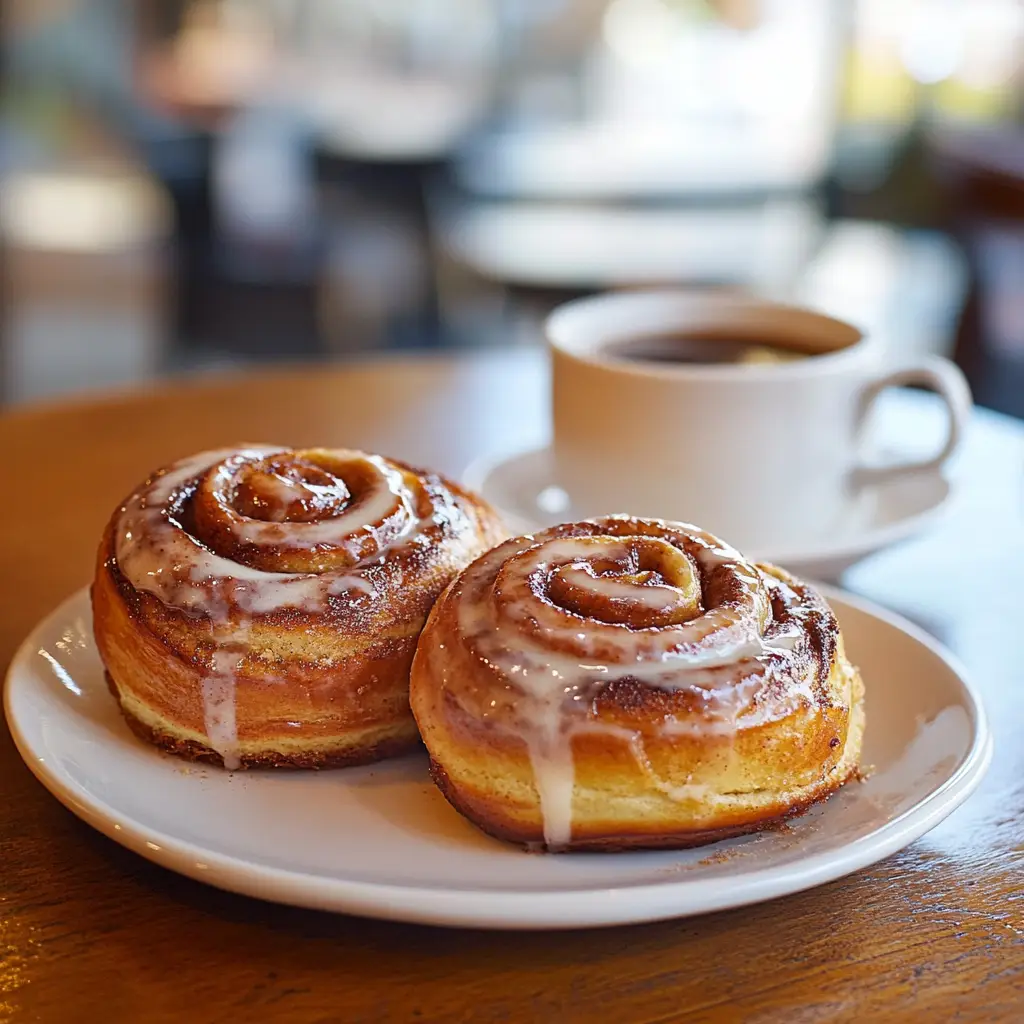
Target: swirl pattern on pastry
pixel 261 605
pixel 632 682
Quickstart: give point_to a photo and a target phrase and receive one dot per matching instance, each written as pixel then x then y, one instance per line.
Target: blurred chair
pixel 388 92
pixel 239 175
pixel 983 175
pixel 376 284
pixel 88 281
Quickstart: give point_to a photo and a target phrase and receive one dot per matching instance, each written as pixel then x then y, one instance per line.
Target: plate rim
pixel 477 473
pixel 515 909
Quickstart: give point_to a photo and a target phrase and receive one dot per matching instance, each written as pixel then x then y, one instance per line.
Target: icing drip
pixel 563 615
pixel 218 690
pixel 233 535
pixel 219 716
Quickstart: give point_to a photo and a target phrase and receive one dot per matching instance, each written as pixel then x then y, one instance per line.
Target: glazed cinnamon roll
pixel 628 682
pixel 260 606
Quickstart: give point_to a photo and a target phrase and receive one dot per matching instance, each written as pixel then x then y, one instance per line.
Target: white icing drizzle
pixel 156 554
pixel 219 714
pixel 385 516
pixel 556 658
pixel 616 589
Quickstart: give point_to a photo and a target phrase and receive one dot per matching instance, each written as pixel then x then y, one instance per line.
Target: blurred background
pixel 190 185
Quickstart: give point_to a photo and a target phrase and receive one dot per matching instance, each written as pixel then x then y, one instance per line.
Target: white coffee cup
pixel 761 454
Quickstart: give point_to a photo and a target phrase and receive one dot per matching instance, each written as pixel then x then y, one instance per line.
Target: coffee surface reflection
pixel 702 350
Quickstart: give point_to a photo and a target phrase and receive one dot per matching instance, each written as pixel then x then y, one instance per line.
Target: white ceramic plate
pixel 380 841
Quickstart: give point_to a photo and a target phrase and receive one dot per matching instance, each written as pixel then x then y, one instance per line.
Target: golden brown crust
pixel 326 757
pixel 653 763
pixel 602 837
pixel 311 684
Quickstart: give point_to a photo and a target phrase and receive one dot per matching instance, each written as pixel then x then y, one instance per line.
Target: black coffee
pixel 705 349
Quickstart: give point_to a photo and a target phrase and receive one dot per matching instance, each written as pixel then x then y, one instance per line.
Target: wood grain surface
pixel 89 932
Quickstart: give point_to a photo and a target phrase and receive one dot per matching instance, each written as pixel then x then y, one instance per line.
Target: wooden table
pixel 90 932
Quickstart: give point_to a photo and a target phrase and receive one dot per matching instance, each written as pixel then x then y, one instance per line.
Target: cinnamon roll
pixel 627 682
pixel 260 606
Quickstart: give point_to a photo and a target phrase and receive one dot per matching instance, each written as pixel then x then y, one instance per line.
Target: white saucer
pixel 524 490
pixel 905 425
pixel 381 841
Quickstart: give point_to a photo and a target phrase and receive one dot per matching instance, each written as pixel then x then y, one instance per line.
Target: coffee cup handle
pixel 948 382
